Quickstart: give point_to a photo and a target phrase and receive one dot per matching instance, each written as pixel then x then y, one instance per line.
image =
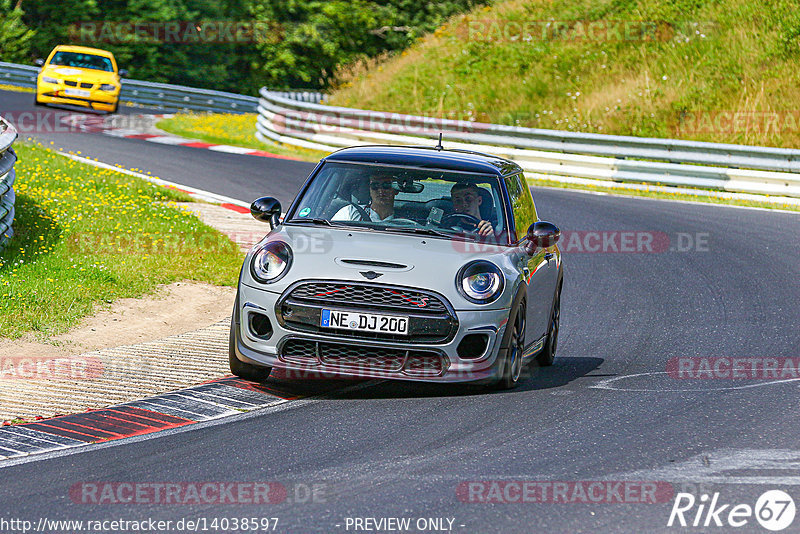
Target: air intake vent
pixel 370 263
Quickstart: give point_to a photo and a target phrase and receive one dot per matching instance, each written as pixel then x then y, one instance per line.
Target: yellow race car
pixel 79 76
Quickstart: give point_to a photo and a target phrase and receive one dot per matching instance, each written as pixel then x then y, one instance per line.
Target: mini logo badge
pixel 370 275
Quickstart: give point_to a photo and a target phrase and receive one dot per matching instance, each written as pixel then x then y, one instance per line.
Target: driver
pixel 381 205
pixel 467 200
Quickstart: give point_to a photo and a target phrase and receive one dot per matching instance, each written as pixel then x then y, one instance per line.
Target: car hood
pixel 86 75
pixel 397 259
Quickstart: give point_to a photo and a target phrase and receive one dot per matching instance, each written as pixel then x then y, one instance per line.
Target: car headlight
pixel 107 87
pixel 48 79
pixel 480 282
pixel 271 262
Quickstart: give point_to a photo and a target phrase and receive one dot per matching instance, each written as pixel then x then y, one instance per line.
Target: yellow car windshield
pixel 82 61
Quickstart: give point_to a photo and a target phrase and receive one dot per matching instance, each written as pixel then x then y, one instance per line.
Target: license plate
pixel 77 92
pixel 365 322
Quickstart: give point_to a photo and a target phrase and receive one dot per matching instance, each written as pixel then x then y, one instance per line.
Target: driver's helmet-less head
pixel 466 198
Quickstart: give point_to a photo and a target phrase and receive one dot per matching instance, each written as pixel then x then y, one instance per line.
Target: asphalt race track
pixel 717 282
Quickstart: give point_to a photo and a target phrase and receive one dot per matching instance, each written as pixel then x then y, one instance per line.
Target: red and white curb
pixel 180 141
pixel 217 399
pixel 146 131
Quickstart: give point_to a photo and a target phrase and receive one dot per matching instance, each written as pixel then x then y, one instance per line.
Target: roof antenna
pixel 439 146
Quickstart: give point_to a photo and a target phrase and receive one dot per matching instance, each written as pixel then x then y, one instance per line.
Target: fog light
pixel 472 346
pixel 260 326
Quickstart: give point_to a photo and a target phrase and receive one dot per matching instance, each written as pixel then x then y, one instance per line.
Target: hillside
pixel 724 70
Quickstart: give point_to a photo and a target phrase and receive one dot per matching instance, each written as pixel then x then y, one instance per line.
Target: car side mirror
pixel 123 73
pixel 39 62
pixel 266 209
pixel 542 234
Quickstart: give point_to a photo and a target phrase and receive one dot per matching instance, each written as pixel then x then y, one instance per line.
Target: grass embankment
pixel 231 129
pixel 682 69
pixel 87 236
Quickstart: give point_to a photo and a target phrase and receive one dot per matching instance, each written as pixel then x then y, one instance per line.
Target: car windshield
pixel 441 203
pixel 82 61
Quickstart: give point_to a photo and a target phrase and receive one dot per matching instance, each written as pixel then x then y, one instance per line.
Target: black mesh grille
pixel 369 296
pixel 378 359
pixel 70 83
pixel 423 363
pixel 415 362
pixel 300 351
pixel 86 85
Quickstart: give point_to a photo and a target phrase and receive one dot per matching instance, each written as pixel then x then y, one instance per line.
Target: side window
pixel 522 208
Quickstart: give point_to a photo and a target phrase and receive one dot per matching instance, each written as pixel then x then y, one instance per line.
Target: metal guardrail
pixel 7 176
pixel 164 96
pixel 547 154
pixel 161 96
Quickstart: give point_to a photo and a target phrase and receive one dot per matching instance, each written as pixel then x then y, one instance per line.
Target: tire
pixel 513 349
pixel 254 373
pixel 547 355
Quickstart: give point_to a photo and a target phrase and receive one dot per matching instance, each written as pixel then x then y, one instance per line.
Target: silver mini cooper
pixel 401 262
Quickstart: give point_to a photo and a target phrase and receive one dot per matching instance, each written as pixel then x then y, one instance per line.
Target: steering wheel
pixel 462 220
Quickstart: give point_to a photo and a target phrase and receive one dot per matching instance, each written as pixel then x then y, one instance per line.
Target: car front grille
pixel 371 296
pixel 365 358
pixel 70 83
pixel 430 318
pixel 85 85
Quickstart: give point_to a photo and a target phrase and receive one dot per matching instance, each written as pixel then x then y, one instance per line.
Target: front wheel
pixel 512 366
pixel 547 355
pixel 239 368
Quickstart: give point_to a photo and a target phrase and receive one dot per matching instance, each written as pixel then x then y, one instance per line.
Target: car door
pixel 539 269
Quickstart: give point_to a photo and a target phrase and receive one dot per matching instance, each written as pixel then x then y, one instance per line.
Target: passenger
pixel 382 191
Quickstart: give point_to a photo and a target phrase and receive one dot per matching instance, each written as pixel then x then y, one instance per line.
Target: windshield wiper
pixel 421 231
pixel 318 222
pixel 325 222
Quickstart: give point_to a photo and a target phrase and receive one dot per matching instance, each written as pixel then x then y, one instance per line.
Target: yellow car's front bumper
pixel 50 93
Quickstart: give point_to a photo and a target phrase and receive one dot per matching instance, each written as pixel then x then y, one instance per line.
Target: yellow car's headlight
pixel 108 87
pixel 47 79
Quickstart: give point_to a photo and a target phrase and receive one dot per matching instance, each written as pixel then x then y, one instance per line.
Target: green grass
pixel 231 129
pixel 86 236
pixel 738 56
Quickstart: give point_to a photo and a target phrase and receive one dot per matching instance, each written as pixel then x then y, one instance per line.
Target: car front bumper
pixel 47 93
pixel 272 352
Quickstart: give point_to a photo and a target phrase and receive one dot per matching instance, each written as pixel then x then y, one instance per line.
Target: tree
pixel 15 37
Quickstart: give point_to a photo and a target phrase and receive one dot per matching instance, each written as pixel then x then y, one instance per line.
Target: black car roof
pixel 427 157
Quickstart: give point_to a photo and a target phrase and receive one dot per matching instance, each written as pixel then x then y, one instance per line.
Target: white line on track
pixel 607 384
pixel 199 193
